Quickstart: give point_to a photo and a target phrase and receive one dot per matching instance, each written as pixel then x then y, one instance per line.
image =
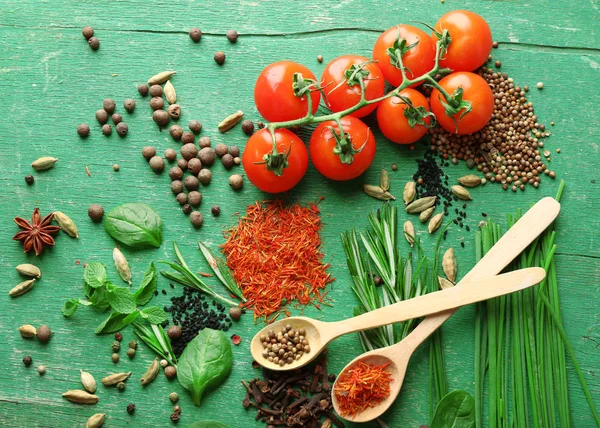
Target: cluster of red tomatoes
pixel 277 166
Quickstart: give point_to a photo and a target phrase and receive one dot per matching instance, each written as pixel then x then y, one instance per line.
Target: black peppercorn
pixel 88 32
pixel 122 129
pixel 143 89
pixel 195 34
pixel 219 57
pixel 195 126
pixel 27 360
pixel 156 91
pixel 109 105
pixel 187 209
pixel 130 408
pixel 29 179
pixel 83 130
pixel 94 43
pixel 232 36
pixel 215 210
pixel 129 105
pixel 106 129
pixel 248 127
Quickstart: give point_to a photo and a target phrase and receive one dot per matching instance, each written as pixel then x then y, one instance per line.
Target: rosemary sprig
pixel 156 339
pixel 222 272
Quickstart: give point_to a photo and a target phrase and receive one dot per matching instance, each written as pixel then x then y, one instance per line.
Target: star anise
pixel 38 233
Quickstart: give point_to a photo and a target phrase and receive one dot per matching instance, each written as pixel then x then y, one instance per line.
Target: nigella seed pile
pixel 193 313
pixel 285 346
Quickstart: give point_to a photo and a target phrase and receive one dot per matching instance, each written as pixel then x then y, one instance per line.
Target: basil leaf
pixel 154 315
pixel 94 274
pixel 121 300
pixel 136 225
pixel 207 424
pixel 146 291
pixel 116 322
pixel 455 410
pixel 99 299
pixel 205 363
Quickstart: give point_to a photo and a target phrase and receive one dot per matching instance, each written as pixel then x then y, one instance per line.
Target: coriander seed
pixel 163 363
pixel 260 124
pixel 495 45
pixel 195 198
pixel 101 116
pixel 106 129
pixel 204 142
pixel 29 179
pixel 129 105
pixel 157 164
pixel 195 126
pixel 176 132
pixel 109 105
pixel 236 181
pixel 116 167
pixel 174 332
pixel 170 155
pixel 175 173
pixel 196 218
pixel 219 57
pixel 207 156
pixel 187 209
pixel 122 129
pixel 171 372
pixel 115 358
pixel 195 35
pixel 131 352
pixel 160 117
pixel 232 36
pixel 248 127
pixel 190 182
pixel 189 151
pixel 156 91
pixel 41 370
pixel 205 176
pixel 177 186
pixel 43 333
pixel 83 130
pixel 157 103
pixel 227 161
pixel 498 64
pixel 234 151
pixel 173 397
pixel 27 360
pixel 188 138
pixel 95 213
pixel 132 344
pixel 237 160
pixel 88 32
pixel 540 85
pixel 143 89
pixel 194 166
pixel 221 149
pixel 148 152
pixel 215 210
pixel 174 111
pixel 182 198
pixel 182 163
pixel 117 118
pixel 94 43
pixel 121 386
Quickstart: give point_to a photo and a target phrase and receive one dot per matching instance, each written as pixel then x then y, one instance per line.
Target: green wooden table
pixel 50 81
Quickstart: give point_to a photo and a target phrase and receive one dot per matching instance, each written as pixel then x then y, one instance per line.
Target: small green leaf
pixel 99 299
pixel 455 410
pixel 121 300
pixel 94 274
pixel 146 291
pixel 136 225
pixel 70 307
pixel 154 315
pixel 116 322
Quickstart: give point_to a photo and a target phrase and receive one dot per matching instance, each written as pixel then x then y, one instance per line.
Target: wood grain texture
pixel 51 81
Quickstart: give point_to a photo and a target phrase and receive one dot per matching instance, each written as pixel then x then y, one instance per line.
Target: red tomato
pixel 274 96
pixel 393 122
pixel 344 96
pixel 476 90
pixel 323 142
pixel 418 60
pixel 471 40
pixel 261 144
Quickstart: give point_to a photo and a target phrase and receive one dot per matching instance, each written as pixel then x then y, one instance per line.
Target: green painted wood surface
pixel 50 81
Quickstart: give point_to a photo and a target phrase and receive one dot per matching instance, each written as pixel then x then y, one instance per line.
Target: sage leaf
pixel 455 410
pixel 146 290
pixel 205 363
pixel 154 315
pixel 207 424
pixel 116 322
pixel 136 225
pixel 121 300
pixel 94 274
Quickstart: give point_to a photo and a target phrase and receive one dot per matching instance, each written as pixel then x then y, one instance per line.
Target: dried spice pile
pixel 274 255
pixel 299 398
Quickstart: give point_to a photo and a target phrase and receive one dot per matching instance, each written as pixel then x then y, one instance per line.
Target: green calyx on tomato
pixel 397 51
pixel 302 86
pixel 343 145
pixel 416 115
pixel 443 37
pixel 357 73
pixel 454 104
pixel 275 161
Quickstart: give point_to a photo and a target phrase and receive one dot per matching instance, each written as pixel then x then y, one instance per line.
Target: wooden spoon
pixel 515 241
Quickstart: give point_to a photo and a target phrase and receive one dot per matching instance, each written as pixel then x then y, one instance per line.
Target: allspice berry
pixel 101 116
pixel 221 150
pixel 207 156
pixel 182 163
pixel 157 164
pixel 174 332
pixel 205 176
pixel 195 198
pixel 87 32
pixel 194 166
pixel 219 57
pixel 157 103
pixel 188 138
pixel 195 34
pixel 143 89
pixel 176 132
pixel 129 105
pixel 94 43
pixel 148 152
pixel 156 91
pixel 248 127
pixel 232 36
pixel 177 187
pixel 122 129
pixel 160 117
pixel 187 209
pixel 196 218
pixel 170 155
pixel 174 111
pixel 195 126
pixel 227 161
pixel 109 105
pixel 189 151
pixel 175 173
pixel 43 333
pixel 235 313
pixel 116 118
pixel 83 130
pixel 236 181
pixel 215 210
pixel 190 182
pixel 182 198
pixel 106 129
pixel 204 142
pixel 95 213
pixel 234 151
pixel 171 372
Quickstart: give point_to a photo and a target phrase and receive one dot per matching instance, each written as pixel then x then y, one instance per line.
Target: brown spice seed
pixel 87 32
pixel 219 57
pixel 195 35
pixel 94 43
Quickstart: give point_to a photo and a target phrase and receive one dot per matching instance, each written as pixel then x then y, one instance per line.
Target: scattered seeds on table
pixel 219 57
pixel 27 331
pixel 156 91
pixel 160 78
pixel 175 417
pixel 540 85
pixel 95 213
pixel 234 151
pixel 83 130
pixel 190 182
pixel 195 198
pixel 424 215
pixel 143 89
pixel 195 126
pixel 170 93
pixel 461 193
pixel 230 121
pixel 189 151
pixel 94 43
pixel 194 166
pixel 44 163
pixel 29 179
pixel 170 155
pixel 124 271
pixel 66 224
pixel 221 149
pixel 232 36
pixel 248 127
pixel 29 270
pixel 173 397
pixel 195 35
pixel 95 421
pixel 130 408
pixel 235 313
pixel 116 118
pixel 101 116
pixel 43 333
pixel 115 358
pixel 106 129
pixel 237 160
pixel 215 210
pixel 384 180
pixel 207 156
pixel 157 103
pixel 115 378
pixel 41 370
pixel 80 397
pixel 204 142
pixel 131 352
pixel 205 176
pixel 157 164
pixel 129 105
pixel 177 186
pixel 174 111
pixel 449 264
pixel 122 129
pixel 150 374
pixel 170 372
pixel 148 152
pixel 88 381
pixel 109 105
pixel 160 117
pixel 164 363
pixel 320 58
pixel 236 181
pixel 188 138
pixel 21 288
pixel 175 173
pixel 182 198
pixel 409 232
pixel 227 161
pixel 196 218
pixel 498 64
pixel 435 222
pixel 88 32
pixel 27 360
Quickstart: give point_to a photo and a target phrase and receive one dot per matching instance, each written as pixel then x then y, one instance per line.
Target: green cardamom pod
pixel 230 121
pixel 95 421
pixel 29 270
pixel 435 222
pixel 470 180
pixel 27 331
pixel 88 382
pixel 424 216
pixel 410 190
pixel 461 193
pixel 160 78
pixel 21 288
pixel 409 232
pixel 122 265
pixel 449 264
pixel 170 93
pixel 384 180
pixel 150 374
pixel 44 163
pixel 421 205
pixel 378 193
pixel 113 379
pixel 66 224
pixel 81 397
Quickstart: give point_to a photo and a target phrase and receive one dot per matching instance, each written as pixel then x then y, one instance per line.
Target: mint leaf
pixel 121 300
pixel 116 322
pixel 94 274
pixel 154 315
pixel 99 299
pixel 146 291
pixel 70 307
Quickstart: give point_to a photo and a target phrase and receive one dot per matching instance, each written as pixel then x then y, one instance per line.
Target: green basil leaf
pixel 136 225
pixel 116 322
pixel 208 424
pixel 70 307
pixel 121 300
pixel 146 291
pixel 154 315
pixel 94 274
pixel 99 299
pixel 205 363
pixel 455 410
